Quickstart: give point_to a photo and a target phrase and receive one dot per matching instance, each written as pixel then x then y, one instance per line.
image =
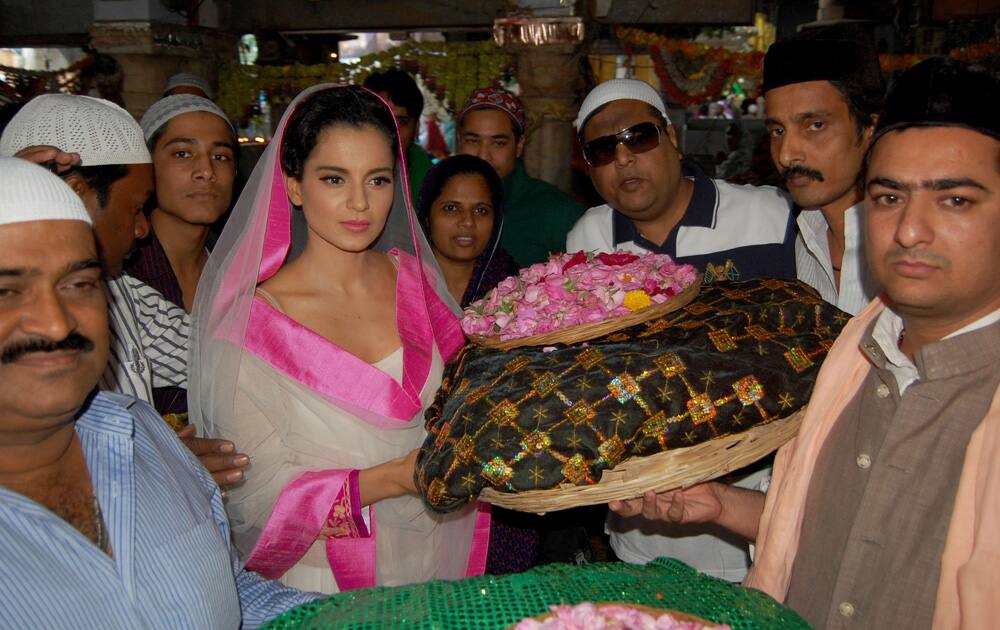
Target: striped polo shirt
pixel 149 340
pixel 728 231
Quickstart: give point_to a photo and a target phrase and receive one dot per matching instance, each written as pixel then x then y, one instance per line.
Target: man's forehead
pixel 920 154
pixel 488 121
pixel 45 245
pixel 617 115
pixel 798 98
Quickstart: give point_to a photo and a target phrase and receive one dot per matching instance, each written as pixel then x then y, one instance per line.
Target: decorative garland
pixel 973 52
pixel 717 67
pixel 450 70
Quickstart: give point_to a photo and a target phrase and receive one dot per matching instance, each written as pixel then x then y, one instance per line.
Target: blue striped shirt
pixel 173 564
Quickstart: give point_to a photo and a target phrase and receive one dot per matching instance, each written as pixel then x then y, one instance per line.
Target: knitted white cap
pixel 619 90
pixel 100 131
pixel 190 80
pixel 160 112
pixel 29 192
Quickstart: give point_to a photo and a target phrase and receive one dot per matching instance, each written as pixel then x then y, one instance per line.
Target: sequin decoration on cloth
pixel 493 602
pixel 740 355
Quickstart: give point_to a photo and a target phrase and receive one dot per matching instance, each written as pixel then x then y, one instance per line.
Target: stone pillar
pixel 549 77
pixel 150 52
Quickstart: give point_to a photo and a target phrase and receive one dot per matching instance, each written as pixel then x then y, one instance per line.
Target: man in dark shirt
pixel 537 215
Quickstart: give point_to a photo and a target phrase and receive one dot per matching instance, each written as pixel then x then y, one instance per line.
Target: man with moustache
pixel 114 178
pixel 105 517
pixel 656 203
pixel 884 511
pixel 823 98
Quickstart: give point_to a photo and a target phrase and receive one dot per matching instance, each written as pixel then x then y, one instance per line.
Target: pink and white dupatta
pixel 230 322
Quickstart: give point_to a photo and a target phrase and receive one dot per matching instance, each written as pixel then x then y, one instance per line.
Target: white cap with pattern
pixel 619 90
pixel 29 192
pixel 100 131
pixel 190 80
pixel 160 112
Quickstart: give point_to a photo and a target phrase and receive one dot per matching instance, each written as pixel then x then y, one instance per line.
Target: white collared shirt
pixel 814 267
pixel 886 334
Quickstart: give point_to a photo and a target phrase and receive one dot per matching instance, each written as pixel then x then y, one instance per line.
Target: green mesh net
pixel 500 601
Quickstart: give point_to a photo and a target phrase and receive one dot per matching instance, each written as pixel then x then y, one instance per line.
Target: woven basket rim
pixel 586 332
pixel 660 472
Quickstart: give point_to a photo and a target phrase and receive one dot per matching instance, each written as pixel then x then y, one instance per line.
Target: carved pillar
pixel 549 77
pixel 150 52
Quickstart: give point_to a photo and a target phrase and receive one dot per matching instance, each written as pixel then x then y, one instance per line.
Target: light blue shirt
pixel 173 564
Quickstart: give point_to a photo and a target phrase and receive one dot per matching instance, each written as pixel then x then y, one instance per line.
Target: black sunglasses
pixel 638 139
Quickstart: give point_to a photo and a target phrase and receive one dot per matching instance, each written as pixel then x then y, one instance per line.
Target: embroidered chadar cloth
pixel 970 564
pixel 536 418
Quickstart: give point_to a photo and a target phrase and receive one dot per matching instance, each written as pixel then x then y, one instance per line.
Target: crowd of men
pixel 882 512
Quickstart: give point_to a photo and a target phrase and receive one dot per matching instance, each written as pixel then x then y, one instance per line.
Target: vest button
pixel 846 609
pixel 864 461
pixel 882 391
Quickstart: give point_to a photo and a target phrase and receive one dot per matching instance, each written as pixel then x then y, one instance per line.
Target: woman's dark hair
pixel 441 173
pixel 350 105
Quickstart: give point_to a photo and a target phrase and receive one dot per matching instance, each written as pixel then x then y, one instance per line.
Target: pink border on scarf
pixel 480 540
pixel 279 340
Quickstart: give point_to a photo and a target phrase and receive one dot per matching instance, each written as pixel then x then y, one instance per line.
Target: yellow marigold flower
pixel 637 300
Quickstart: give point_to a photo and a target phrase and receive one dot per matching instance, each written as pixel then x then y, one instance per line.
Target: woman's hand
pixel 394 478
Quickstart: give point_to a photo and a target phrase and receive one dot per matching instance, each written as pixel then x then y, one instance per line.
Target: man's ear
pixel 294 188
pixel 672 135
pixel 867 132
pixel 519 149
pixel 83 190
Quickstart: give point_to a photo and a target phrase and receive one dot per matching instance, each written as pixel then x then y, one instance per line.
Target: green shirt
pixel 418 162
pixel 537 217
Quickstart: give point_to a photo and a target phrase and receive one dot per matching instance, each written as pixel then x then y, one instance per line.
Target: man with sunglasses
pixel 823 97
pixel 657 203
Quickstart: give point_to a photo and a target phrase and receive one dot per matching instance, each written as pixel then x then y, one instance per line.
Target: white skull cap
pixel 168 107
pixel 190 80
pixel 29 192
pixel 619 90
pixel 100 131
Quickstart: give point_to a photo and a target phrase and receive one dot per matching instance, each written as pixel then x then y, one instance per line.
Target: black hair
pixel 863 103
pixel 441 173
pixel 350 105
pixel 652 110
pixel 100 179
pixel 400 87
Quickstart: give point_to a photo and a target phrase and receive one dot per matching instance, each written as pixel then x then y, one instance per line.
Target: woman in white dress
pixel 322 325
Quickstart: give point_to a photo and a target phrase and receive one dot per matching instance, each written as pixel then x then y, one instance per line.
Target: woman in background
pixel 461 211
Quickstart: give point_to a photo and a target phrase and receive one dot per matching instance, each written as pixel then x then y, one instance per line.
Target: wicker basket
pixel 649 610
pixel 584 332
pixel 668 470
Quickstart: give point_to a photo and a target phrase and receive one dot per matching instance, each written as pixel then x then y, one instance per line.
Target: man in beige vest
pixel 884 512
